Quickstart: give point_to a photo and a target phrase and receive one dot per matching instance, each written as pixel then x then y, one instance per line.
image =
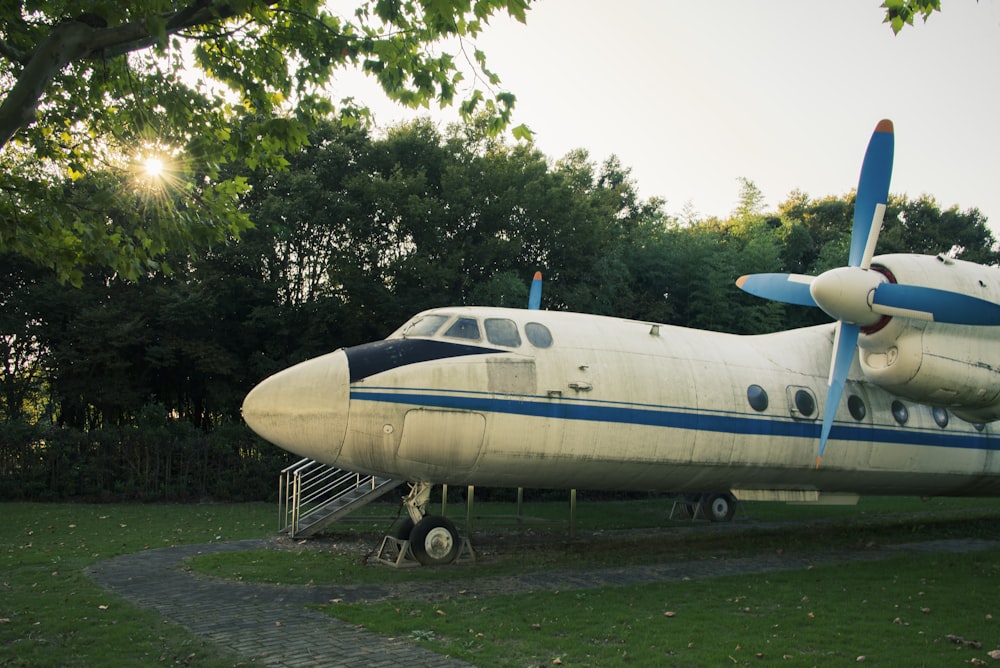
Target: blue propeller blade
pixel 869 208
pixel 844 344
pixel 873 190
pixel 535 294
pixel 914 301
pixel 785 288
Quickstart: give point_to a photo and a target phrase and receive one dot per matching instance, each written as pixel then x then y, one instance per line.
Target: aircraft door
pixel 447 442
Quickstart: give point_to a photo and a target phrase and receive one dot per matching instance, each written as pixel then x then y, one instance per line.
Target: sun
pixel 155 174
pixel 153 166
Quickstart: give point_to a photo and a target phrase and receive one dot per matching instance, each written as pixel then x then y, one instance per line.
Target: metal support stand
pixel 469 504
pixel 396 553
pixel 691 509
pixel 572 513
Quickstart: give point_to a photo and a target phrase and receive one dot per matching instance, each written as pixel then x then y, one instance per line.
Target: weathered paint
pixel 618 404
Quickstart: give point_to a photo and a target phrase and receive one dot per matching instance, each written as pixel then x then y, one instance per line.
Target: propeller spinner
pixel 858 296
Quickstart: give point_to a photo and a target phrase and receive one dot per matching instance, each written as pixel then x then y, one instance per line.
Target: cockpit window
pixel 538 334
pixel 464 328
pixel 502 332
pixel 426 326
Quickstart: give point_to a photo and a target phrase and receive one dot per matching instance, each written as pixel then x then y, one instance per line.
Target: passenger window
pixel 538 334
pixel 899 412
pixel 805 404
pixel 856 405
pixel 464 328
pixel 502 332
pixel 757 396
pixel 426 326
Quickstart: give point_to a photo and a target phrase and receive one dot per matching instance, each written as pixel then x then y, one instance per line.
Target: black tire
pixel 718 507
pixel 434 541
pixel 403 529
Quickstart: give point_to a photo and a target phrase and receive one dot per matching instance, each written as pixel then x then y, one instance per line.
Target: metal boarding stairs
pixel 313 496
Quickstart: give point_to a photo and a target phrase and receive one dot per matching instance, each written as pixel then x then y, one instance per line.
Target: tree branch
pixel 68 41
pixel 75 40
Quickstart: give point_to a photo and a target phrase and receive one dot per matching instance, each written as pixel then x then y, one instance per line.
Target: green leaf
pixel 522 133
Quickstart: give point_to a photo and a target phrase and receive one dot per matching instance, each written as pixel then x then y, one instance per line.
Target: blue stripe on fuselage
pixel 665 416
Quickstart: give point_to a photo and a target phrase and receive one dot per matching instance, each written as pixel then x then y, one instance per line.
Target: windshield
pixel 425 326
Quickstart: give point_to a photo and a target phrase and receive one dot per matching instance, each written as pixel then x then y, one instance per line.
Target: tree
pixel 97 90
pixel 920 226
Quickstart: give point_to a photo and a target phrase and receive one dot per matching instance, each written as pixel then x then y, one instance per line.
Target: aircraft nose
pixel 304 409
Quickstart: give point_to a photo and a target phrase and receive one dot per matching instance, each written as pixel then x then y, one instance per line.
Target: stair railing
pixel 308 485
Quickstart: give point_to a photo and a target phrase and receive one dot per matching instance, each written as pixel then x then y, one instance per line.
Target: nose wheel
pixel 434 541
pixel 430 540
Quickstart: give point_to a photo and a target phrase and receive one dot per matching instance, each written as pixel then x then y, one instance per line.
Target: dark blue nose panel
pixel 372 358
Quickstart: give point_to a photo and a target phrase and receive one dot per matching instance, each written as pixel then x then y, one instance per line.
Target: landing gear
pixel 712 506
pixel 430 540
pixel 718 507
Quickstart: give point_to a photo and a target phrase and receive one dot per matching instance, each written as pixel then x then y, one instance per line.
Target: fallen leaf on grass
pixel 959 640
pixel 993 654
pixel 669 613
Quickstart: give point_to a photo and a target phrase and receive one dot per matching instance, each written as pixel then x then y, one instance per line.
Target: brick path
pixel 267 623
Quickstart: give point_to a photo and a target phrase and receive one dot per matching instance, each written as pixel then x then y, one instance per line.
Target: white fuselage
pixel 614 404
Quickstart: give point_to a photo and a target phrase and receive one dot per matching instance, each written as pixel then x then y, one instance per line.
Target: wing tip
pixel 741 280
pixel 538 276
pixel 885 125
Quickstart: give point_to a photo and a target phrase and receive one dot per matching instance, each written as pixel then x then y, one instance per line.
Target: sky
pixel 693 95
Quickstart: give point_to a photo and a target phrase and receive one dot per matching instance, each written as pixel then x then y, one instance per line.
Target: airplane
pixel 496 397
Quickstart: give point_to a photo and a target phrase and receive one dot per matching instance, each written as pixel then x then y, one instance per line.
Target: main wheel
pixel 719 507
pixel 434 541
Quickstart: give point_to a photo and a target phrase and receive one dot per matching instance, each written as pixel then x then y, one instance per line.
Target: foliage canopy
pixel 211 90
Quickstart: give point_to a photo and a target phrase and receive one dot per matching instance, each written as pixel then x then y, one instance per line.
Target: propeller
pixel 535 293
pixel 855 295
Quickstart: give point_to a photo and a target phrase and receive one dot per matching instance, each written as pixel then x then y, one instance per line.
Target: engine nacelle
pixel 952 366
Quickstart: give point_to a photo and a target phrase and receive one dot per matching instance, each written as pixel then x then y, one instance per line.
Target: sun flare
pixel 153 166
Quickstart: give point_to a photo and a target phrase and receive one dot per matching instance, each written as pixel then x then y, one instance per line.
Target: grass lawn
pixel 914 609
pixel 893 613
pixel 52 614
